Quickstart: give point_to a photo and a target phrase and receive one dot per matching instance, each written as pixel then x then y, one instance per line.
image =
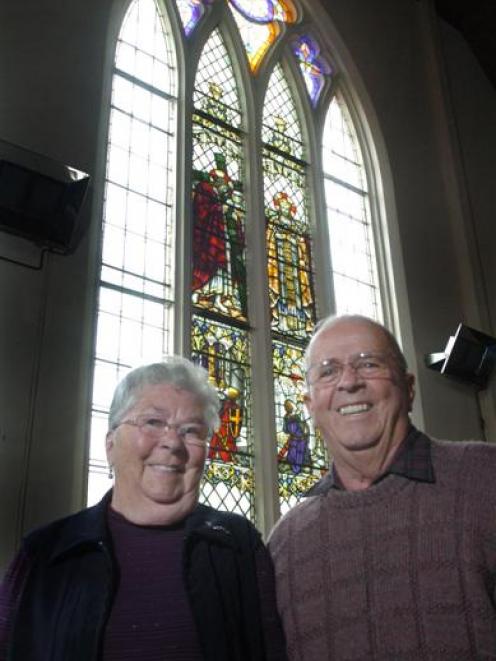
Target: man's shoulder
pixel 470 462
pixel 466 450
pixel 295 520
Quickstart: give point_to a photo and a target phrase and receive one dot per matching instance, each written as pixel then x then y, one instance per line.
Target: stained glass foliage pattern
pixel 352 250
pixel 258 22
pixel 219 288
pixel 191 12
pixel 300 452
pixel 313 66
pixel 224 352
pixel 136 293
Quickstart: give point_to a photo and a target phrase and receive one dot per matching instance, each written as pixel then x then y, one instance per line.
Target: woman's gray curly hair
pixel 174 370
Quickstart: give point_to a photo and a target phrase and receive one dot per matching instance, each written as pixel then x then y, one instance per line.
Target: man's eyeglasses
pixel 366 365
pixel 190 433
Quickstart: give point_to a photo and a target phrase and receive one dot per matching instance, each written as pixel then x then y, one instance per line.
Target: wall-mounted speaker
pixel 40 199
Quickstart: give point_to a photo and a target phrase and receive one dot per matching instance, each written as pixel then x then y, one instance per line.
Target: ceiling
pixel 476 20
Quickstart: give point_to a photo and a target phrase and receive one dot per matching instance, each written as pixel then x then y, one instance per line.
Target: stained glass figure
pixel 258 23
pixel 219 338
pixel 291 296
pixel 313 67
pixel 289 260
pixel 301 453
pixel 219 273
pixel 224 352
pixel 191 12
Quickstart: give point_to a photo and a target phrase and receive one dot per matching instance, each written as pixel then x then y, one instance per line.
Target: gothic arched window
pixel 232 162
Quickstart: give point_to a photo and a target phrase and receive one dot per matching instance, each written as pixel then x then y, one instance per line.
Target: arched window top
pixel 342 158
pixel 281 126
pixel 145 50
pixel 216 90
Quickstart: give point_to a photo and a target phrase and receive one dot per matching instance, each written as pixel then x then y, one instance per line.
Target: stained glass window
pixel 258 22
pixel 136 293
pixel 352 249
pixel 253 230
pixel 300 453
pixel 220 339
pixel 313 67
pixel 191 11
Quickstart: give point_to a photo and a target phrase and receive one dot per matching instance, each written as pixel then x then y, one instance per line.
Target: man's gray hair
pixel 331 320
pixel 174 370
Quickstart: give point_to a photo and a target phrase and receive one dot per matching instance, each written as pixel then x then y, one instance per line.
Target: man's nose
pixel 349 377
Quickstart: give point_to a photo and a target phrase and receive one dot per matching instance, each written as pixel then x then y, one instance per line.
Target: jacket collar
pixel 88 528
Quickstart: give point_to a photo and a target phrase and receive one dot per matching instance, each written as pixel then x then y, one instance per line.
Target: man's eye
pixel 368 364
pixel 327 371
pixel 155 423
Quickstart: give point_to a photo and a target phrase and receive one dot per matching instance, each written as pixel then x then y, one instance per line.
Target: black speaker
pixel 40 198
pixel 470 355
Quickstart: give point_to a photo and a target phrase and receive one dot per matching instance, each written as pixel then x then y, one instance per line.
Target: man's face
pixel 357 413
pixel 164 470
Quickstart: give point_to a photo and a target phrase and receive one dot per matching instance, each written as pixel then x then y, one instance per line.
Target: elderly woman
pixel 147 573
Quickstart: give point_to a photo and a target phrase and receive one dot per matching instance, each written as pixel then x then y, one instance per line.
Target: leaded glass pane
pixel 301 454
pixel 287 232
pixel 219 287
pixel 223 351
pixel 313 67
pixel 257 21
pixel 348 215
pixel 135 308
pixel 219 274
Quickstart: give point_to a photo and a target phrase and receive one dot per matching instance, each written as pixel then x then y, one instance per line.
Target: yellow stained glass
pixel 259 22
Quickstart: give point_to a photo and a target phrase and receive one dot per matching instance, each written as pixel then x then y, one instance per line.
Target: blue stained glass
pixel 191 12
pixel 313 67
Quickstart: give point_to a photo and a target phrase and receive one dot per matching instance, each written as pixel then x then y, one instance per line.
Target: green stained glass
pixel 224 352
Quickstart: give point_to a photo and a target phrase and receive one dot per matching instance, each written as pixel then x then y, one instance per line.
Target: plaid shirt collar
pixel 412 460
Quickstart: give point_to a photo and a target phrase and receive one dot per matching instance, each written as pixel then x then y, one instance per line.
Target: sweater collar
pixel 412 460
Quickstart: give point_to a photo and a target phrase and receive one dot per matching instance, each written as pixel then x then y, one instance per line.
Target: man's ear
pixel 410 386
pixel 308 402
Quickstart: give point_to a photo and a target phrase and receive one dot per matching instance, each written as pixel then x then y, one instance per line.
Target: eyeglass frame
pixel 362 355
pixel 159 431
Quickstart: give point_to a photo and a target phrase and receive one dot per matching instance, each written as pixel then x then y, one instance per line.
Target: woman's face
pixel 157 476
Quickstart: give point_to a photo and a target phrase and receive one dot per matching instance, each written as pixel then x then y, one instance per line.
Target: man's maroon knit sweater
pixel 405 570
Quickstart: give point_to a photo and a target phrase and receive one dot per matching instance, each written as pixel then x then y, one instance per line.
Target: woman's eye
pixel 155 423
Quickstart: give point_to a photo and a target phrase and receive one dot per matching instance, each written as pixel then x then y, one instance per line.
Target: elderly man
pixel 393 554
pixel 147 573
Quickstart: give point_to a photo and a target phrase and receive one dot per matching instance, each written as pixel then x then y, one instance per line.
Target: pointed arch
pixel 136 288
pixel 220 335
